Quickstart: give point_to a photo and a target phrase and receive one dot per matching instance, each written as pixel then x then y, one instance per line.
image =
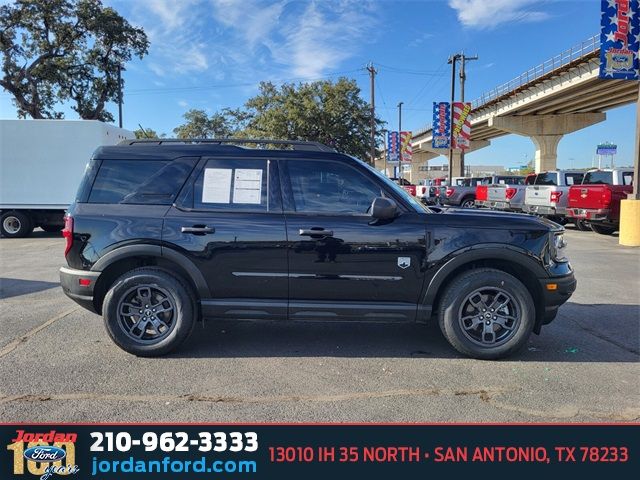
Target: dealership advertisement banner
pixel 393 147
pixel 441 125
pixel 620 39
pixel 310 451
pixel 406 150
pixel 461 125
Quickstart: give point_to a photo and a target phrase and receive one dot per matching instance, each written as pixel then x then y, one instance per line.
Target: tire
pixel 582 225
pixel 51 228
pixel 128 294
pixel 468 202
pixel 15 225
pixel 475 341
pixel 602 229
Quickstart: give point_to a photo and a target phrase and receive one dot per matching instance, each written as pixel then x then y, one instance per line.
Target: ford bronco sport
pixel 163 233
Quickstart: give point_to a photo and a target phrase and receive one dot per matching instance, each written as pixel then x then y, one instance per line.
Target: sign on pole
pixel 406 151
pixel 619 39
pixel 441 125
pixel 393 147
pixel 606 149
pixel 461 125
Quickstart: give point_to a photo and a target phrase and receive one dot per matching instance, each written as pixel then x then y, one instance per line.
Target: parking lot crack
pixel 12 345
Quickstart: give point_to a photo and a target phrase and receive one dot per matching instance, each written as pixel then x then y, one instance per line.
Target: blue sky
pixel 211 54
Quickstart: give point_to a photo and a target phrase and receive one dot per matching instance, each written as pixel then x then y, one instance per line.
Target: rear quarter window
pixel 598 178
pixel 150 182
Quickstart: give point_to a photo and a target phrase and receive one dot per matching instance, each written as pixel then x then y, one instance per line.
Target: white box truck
pixel 41 165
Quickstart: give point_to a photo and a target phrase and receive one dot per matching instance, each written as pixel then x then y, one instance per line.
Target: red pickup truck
pixel 597 198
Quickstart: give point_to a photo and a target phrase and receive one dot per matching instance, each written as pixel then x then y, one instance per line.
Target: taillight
pixel 510 193
pixel 67 233
pixel 481 192
pixel 555 197
pixel 449 191
pixel 606 197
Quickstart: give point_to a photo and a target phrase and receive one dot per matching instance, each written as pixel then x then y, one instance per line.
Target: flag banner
pixel 441 125
pixel 393 147
pixel 461 125
pixel 620 39
pixel 317 451
pixel 406 150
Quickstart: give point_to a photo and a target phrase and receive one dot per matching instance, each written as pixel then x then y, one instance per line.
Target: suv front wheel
pixel 148 312
pixel 486 313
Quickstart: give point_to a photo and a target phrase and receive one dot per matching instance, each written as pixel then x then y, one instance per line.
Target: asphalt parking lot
pixel 57 363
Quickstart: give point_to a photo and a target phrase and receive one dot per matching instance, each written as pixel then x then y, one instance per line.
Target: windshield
pixel 598 177
pixel 547 178
pixel 398 190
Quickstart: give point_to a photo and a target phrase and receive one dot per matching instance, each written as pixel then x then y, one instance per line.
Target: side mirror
pixel 383 208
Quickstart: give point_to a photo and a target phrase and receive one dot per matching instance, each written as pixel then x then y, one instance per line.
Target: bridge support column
pixel 546 131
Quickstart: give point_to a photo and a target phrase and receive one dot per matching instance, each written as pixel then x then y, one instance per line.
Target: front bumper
pixel 78 285
pixel 554 297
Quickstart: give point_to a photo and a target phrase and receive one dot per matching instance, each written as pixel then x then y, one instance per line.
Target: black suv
pixel 163 233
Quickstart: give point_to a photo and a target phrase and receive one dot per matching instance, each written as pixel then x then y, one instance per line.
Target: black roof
pixel 167 149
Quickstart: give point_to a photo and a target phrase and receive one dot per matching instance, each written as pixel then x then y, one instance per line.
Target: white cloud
pixel 183 103
pixel 491 13
pixel 302 39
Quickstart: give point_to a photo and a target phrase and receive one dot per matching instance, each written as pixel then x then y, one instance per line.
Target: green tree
pixel 329 112
pixel 147 133
pixel 58 51
pixel 225 123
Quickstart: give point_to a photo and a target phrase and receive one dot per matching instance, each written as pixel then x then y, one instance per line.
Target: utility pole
pixel 400 139
pixel 119 96
pixel 452 60
pixel 463 77
pixel 372 75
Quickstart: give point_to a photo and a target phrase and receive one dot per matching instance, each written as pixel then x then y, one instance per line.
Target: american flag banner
pixel 393 147
pixel 620 39
pixel 461 125
pixel 441 128
pixel 406 151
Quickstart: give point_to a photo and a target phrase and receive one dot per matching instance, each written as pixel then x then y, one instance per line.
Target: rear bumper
pixel 79 293
pixel 545 210
pixel 555 297
pixel 597 215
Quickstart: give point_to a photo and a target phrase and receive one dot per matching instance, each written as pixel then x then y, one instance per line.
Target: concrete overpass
pixel 560 96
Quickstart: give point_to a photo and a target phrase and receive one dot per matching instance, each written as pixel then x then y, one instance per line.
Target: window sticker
pixel 216 187
pixel 247 186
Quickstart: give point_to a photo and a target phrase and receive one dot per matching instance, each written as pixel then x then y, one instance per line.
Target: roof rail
pixel 295 144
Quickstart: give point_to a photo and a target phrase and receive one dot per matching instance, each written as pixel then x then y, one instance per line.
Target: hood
pixel 485 218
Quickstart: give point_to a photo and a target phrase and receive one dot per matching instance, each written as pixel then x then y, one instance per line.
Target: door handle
pixel 198 230
pixel 312 232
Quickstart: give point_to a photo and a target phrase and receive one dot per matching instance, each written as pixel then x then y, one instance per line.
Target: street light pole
pixel 452 60
pixel 400 139
pixel 463 78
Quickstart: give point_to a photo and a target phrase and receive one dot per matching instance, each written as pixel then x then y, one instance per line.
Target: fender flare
pixel 147 250
pixel 507 253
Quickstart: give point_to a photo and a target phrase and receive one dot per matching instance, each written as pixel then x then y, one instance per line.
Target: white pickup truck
pixel 549 194
pixel 507 193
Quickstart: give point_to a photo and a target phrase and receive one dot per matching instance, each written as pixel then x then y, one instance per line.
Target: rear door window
pixel 237 184
pixel 148 182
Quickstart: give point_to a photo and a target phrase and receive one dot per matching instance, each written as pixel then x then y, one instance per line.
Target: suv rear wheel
pixel 486 314
pixel 149 312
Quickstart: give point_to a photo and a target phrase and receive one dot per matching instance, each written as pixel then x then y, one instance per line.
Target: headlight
pixel 558 248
